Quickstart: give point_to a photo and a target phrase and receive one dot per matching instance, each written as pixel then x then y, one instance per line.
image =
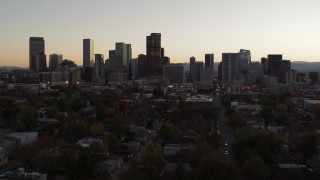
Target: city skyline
pixel 191 29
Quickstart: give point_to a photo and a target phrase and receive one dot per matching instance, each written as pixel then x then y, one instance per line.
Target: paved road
pixel 223 127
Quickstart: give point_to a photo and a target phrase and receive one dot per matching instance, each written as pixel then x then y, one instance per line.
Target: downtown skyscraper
pixel 244 60
pixel 155 55
pixel 119 60
pixel 54 61
pixel 230 68
pixel 88 53
pixel 209 61
pixel 37 56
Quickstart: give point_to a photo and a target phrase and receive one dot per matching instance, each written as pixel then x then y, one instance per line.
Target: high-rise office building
pixel 277 67
pixel 209 61
pixel 206 76
pixel 285 66
pixel 112 61
pixel 99 67
pixel 41 63
pixel 142 64
pixel 255 73
pixel 314 76
pixel 291 76
pixel 264 65
pixel 36 48
pixel 123 55
pixel 273 62
pixel 134 66
pixel 129 59
pixel 88 53
pixel 193 67
pixel 154 55
pixel 244 60
pixel 209 66
pixel 199 69
pixel 174 72
pixel 120 59
pixel 54 61
pixel 229 67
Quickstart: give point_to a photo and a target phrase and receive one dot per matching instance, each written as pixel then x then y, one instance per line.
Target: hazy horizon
pixel 188 29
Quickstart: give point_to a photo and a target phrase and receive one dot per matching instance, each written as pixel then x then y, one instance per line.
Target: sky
pixel 188 27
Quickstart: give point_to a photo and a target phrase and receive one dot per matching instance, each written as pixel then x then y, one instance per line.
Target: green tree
pixel 294 174
pixel 236 120
pixel 96 129
pixel 267 114
pixel 73 130
pixel 29 117
pixel 52 111
pixel 265 144
pixel 101 112
pixel 157 92
pixel 201 150
pixel 132 173
pixel 180 173
pixel 62 105
pixel 226 100
pixel 76 103
pixel 153 159
pixel 281 113
pixel 308 145
pixel 115 125
pixel 215 168
pixel 254 169
pixel 168 131
pixel 114 143
pixel 214 139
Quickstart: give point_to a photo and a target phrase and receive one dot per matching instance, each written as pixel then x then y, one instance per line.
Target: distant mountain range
pixel 305 66
pixel 11 68
pixel 301 66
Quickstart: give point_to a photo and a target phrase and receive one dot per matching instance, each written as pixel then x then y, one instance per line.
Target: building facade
pixel 199 69
pixel 229 68
pixel 209 63
pixel 193 67
pixel 175 73
pixel 244 60
pixel 155 55
pixel 54 61
pixel 88 53
pixel 99 67
pixel 36 48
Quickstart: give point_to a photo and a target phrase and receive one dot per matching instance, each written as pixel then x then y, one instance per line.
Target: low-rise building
pixel 312 104
pixel 172 149
pixel 20 173
pixel 88 141
pixel 246 109
pixel 3 157
pixel 24 138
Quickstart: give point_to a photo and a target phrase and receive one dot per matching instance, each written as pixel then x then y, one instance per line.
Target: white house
pixel 24 138
pixel 172 149
pixel 3 156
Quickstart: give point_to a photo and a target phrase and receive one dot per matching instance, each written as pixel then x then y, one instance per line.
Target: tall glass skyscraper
pixel 54 61
pixel 209 63
pixel 88 53
pixel 154 55
pixel 229 67
pixel 244 60
pixel 36 49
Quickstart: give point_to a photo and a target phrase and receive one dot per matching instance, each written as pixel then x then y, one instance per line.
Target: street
pixel 223 128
